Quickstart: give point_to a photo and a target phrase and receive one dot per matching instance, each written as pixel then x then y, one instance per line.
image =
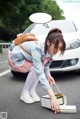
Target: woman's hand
pixel 54 103
pixel 50 80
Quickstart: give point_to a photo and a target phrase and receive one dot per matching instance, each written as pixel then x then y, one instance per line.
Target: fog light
pixel 73 61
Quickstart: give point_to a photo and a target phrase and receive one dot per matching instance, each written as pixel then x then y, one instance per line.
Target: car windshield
pixel 65 26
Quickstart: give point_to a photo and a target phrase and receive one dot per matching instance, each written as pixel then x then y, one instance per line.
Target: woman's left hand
pixel 51 80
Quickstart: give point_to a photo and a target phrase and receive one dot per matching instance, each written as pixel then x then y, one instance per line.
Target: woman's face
pixel 52 50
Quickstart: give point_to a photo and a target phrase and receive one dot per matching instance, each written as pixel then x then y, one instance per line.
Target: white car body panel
pixel 69 54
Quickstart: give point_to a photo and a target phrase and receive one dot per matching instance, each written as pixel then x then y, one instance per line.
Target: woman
pixel 38 57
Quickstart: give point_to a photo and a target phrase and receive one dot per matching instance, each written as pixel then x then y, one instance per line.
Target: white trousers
pixel 31 81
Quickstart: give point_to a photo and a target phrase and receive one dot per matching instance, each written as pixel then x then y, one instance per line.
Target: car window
pixel 65 26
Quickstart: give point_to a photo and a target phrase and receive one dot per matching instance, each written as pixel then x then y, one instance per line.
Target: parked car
pixel 70 60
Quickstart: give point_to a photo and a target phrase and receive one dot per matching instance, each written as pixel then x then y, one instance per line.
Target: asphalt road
pixel 11 87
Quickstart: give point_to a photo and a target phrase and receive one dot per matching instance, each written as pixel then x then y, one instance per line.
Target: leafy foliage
pixel 14 14
pixel 51 7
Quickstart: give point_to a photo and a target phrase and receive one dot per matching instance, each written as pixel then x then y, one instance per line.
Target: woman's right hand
pixel 54 104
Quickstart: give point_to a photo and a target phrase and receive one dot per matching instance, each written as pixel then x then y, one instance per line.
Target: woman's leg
pixel 31 81
pixel 32 90
pixel 34 82
pixel 30 86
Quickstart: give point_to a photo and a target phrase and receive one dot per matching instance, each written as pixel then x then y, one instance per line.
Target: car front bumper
pixel 68 62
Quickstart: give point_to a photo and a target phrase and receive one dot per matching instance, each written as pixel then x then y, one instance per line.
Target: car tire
pixel 77 72
pixel 19 74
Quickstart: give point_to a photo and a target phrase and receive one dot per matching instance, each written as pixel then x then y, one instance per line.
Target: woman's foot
pixel 26 98
pixel 34 95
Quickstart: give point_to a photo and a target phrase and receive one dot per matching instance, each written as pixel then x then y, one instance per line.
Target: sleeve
pixel 36 57
pixel 46 69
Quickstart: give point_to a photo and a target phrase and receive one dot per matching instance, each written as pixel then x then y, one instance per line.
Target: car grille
pixel 62 63
pixel 56 64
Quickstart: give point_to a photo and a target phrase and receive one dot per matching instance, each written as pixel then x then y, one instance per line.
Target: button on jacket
pixel 37 56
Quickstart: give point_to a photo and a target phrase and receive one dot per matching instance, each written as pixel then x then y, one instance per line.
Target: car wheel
pixel 77 72
pixel 19 74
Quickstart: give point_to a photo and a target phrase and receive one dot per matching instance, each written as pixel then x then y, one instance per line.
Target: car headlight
pixel 74 44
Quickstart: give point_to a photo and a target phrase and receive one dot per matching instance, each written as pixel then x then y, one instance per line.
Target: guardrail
pixel 4 47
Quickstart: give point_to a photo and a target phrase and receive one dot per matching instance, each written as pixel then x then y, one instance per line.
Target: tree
pixel 17 16
pixel 52 8
pixel 6 5
pixel 14 14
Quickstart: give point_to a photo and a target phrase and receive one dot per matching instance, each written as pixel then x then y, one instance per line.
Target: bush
pixel 6 35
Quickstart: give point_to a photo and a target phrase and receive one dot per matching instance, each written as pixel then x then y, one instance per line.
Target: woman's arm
pixel 54 103
pixel 50 79
pixel 38 66
pixel 36 55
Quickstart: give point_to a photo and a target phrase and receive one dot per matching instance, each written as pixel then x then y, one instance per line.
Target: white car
pixel 70 60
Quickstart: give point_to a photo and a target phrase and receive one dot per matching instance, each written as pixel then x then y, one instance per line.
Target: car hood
pixel 68 37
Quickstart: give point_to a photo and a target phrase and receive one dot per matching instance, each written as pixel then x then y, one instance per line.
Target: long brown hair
pixel 55 37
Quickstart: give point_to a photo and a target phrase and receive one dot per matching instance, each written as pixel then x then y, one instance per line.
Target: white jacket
pixel 37 56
